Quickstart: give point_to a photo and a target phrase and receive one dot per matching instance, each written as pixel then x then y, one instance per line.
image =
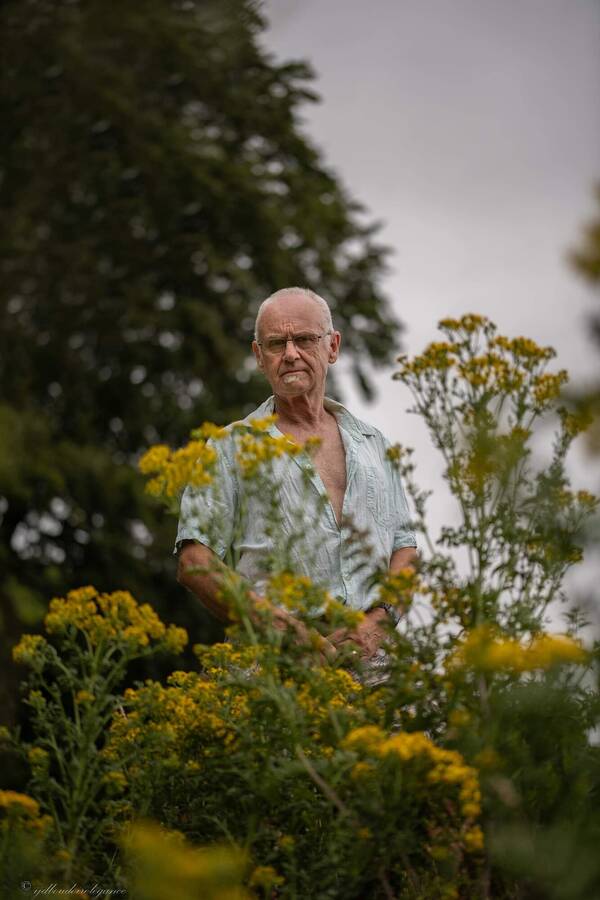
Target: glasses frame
pixel 293 340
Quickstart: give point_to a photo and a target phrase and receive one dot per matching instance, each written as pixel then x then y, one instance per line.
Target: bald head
pixel 281 296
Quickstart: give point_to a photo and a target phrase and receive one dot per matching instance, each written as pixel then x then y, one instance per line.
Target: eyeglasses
pixel 276 345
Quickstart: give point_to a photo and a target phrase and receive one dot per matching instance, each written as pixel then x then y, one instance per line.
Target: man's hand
pixel 368 636
pixel 285 621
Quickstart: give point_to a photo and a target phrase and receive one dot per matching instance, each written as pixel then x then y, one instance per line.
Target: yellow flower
pixel 547 387
pixel 209 431
pixel 111 617
pixel 459 718
pixel 265 877
pixel 84 697
pixel 115 779
pixel 165 867
pixel 9 799
pixel 469 322
pixel 482 650
pixel 30 649
pixel 398 588
pixel 554 649
pixel 256 450
pixel 21 804
pixel 263 424
pixel 175 639
pixel 487 759
pixel 367 738
pixel 38 758
pixel 173 470
pixel 473 839
pixel 361 770
pixel 286 842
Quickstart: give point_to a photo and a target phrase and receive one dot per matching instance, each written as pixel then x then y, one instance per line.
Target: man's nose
pixel 291 351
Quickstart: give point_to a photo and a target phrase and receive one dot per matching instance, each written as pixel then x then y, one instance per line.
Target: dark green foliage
pixel 156 186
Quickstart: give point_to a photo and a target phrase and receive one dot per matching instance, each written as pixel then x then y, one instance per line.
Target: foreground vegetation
pixel 465 767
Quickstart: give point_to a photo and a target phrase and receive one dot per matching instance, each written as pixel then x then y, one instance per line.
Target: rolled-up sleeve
pixel 404 535
pixel 208 514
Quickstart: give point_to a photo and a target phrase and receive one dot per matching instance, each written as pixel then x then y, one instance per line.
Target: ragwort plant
pixel 73 689
pixel 464 769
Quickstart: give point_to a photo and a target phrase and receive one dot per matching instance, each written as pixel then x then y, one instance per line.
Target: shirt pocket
pixel 379 501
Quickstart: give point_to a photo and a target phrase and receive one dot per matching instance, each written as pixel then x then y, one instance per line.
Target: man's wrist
pixel 387 610
pixel 379 612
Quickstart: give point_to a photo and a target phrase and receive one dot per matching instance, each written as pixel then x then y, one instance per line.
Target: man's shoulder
pixel 348 419
pixel 261 412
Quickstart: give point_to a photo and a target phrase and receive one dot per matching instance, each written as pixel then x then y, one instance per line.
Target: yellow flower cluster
pixel 489 364
pixel 165 717
pixel 115 780
pixel 524 349
pixel 165 866
pixel 253 451
pixel 30 649
pixel 437 356
pixel 221 658
pixel 84 697
pixel 484 651
pixel 208 431
pixel 445 766
pixel 290 590
pixel 265 877
pixel 115 616
pixel 468 323
pixel 547 387
pixel 172 470
pixel 20 810
pixel 575 422
pixel 333 689
pixel 398 588
pixel 39 760
pixel 255 446
pixel 339 614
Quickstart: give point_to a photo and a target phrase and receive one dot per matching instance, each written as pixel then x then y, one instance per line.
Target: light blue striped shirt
pixel 233 515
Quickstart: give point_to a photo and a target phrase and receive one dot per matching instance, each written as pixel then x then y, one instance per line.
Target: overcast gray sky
pixel 471 129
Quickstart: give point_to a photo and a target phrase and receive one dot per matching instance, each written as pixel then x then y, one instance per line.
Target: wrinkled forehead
pixel 294 313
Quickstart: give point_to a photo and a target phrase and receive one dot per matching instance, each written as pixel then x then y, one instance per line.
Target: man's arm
pixel 403 557
pixel 200 570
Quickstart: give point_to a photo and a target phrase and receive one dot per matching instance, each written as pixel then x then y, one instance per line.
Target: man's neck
pixel 304 411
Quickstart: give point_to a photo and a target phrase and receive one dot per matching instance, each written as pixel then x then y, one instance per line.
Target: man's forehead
pixel 292 313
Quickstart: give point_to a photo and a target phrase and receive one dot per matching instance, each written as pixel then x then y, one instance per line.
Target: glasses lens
pixel 306 341
pixel 275 345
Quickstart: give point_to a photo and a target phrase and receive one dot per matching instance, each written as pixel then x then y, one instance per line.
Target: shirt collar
pixel 345 418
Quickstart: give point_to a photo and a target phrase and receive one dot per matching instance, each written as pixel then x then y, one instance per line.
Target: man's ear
pixel 334 347
pixel 257 355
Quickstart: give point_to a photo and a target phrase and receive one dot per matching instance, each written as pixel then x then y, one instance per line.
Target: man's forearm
pixel 202 572
pixel 402 558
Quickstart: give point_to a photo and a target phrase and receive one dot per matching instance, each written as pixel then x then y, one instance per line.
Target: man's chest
pixel 329 461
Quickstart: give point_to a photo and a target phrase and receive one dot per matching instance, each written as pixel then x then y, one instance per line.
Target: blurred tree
pixel 586 260
pixel 156 185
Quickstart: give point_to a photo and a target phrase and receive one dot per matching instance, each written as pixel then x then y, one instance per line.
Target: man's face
pixel 291 370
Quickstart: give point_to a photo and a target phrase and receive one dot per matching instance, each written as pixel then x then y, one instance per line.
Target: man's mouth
pixel 290 377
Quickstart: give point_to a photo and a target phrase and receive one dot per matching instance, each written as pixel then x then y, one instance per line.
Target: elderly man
pixel 295 343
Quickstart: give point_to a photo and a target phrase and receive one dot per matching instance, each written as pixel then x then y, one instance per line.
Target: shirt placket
pixel 349 440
